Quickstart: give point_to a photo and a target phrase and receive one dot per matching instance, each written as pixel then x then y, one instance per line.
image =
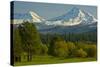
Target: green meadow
pixel 37 60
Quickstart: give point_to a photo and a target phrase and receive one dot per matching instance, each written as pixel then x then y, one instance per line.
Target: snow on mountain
pixel 75 21
pixel 35 17
pixel 31 16
pixel 70 29
pixel 74 17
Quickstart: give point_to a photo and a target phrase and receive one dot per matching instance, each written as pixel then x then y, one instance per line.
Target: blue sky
pixel 48 10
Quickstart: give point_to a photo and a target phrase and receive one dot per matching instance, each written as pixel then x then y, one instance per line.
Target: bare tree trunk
pixel 19 58
pixel 28 57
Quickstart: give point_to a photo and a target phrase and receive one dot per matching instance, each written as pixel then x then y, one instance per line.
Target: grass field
pixel 52 60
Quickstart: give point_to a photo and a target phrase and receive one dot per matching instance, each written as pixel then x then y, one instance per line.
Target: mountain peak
pixel 36 17
pixel 70 14
pixel 74 17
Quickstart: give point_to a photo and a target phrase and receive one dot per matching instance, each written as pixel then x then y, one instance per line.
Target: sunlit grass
pixel 52 60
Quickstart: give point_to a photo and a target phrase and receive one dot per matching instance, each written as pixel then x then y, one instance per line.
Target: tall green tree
pixel 17 48
pixel 31 40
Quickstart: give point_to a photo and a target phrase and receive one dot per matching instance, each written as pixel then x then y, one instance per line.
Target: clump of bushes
pixel 61 48
pixel 80 53
pixel 44 49
pixel 71 48
pixel 91 50
pixel 58 47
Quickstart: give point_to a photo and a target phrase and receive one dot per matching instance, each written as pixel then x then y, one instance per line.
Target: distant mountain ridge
pixel 74 17
pixel 75 21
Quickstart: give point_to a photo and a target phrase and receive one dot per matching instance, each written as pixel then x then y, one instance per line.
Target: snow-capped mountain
pixel 75 21
pixel 36 18
pixel 74 17
pixel 31 16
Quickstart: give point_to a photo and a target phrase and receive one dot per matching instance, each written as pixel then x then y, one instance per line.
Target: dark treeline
pixel 73 37
pixel 28 42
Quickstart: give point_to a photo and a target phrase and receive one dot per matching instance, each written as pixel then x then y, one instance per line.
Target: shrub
pixel 80 53
pixel 71 48
pixel 91 50
pixel 61 49
pixel 44 49
pixel 58 47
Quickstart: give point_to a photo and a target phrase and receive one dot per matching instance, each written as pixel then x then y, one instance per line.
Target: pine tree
pixel 17 48
pixel 31 40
